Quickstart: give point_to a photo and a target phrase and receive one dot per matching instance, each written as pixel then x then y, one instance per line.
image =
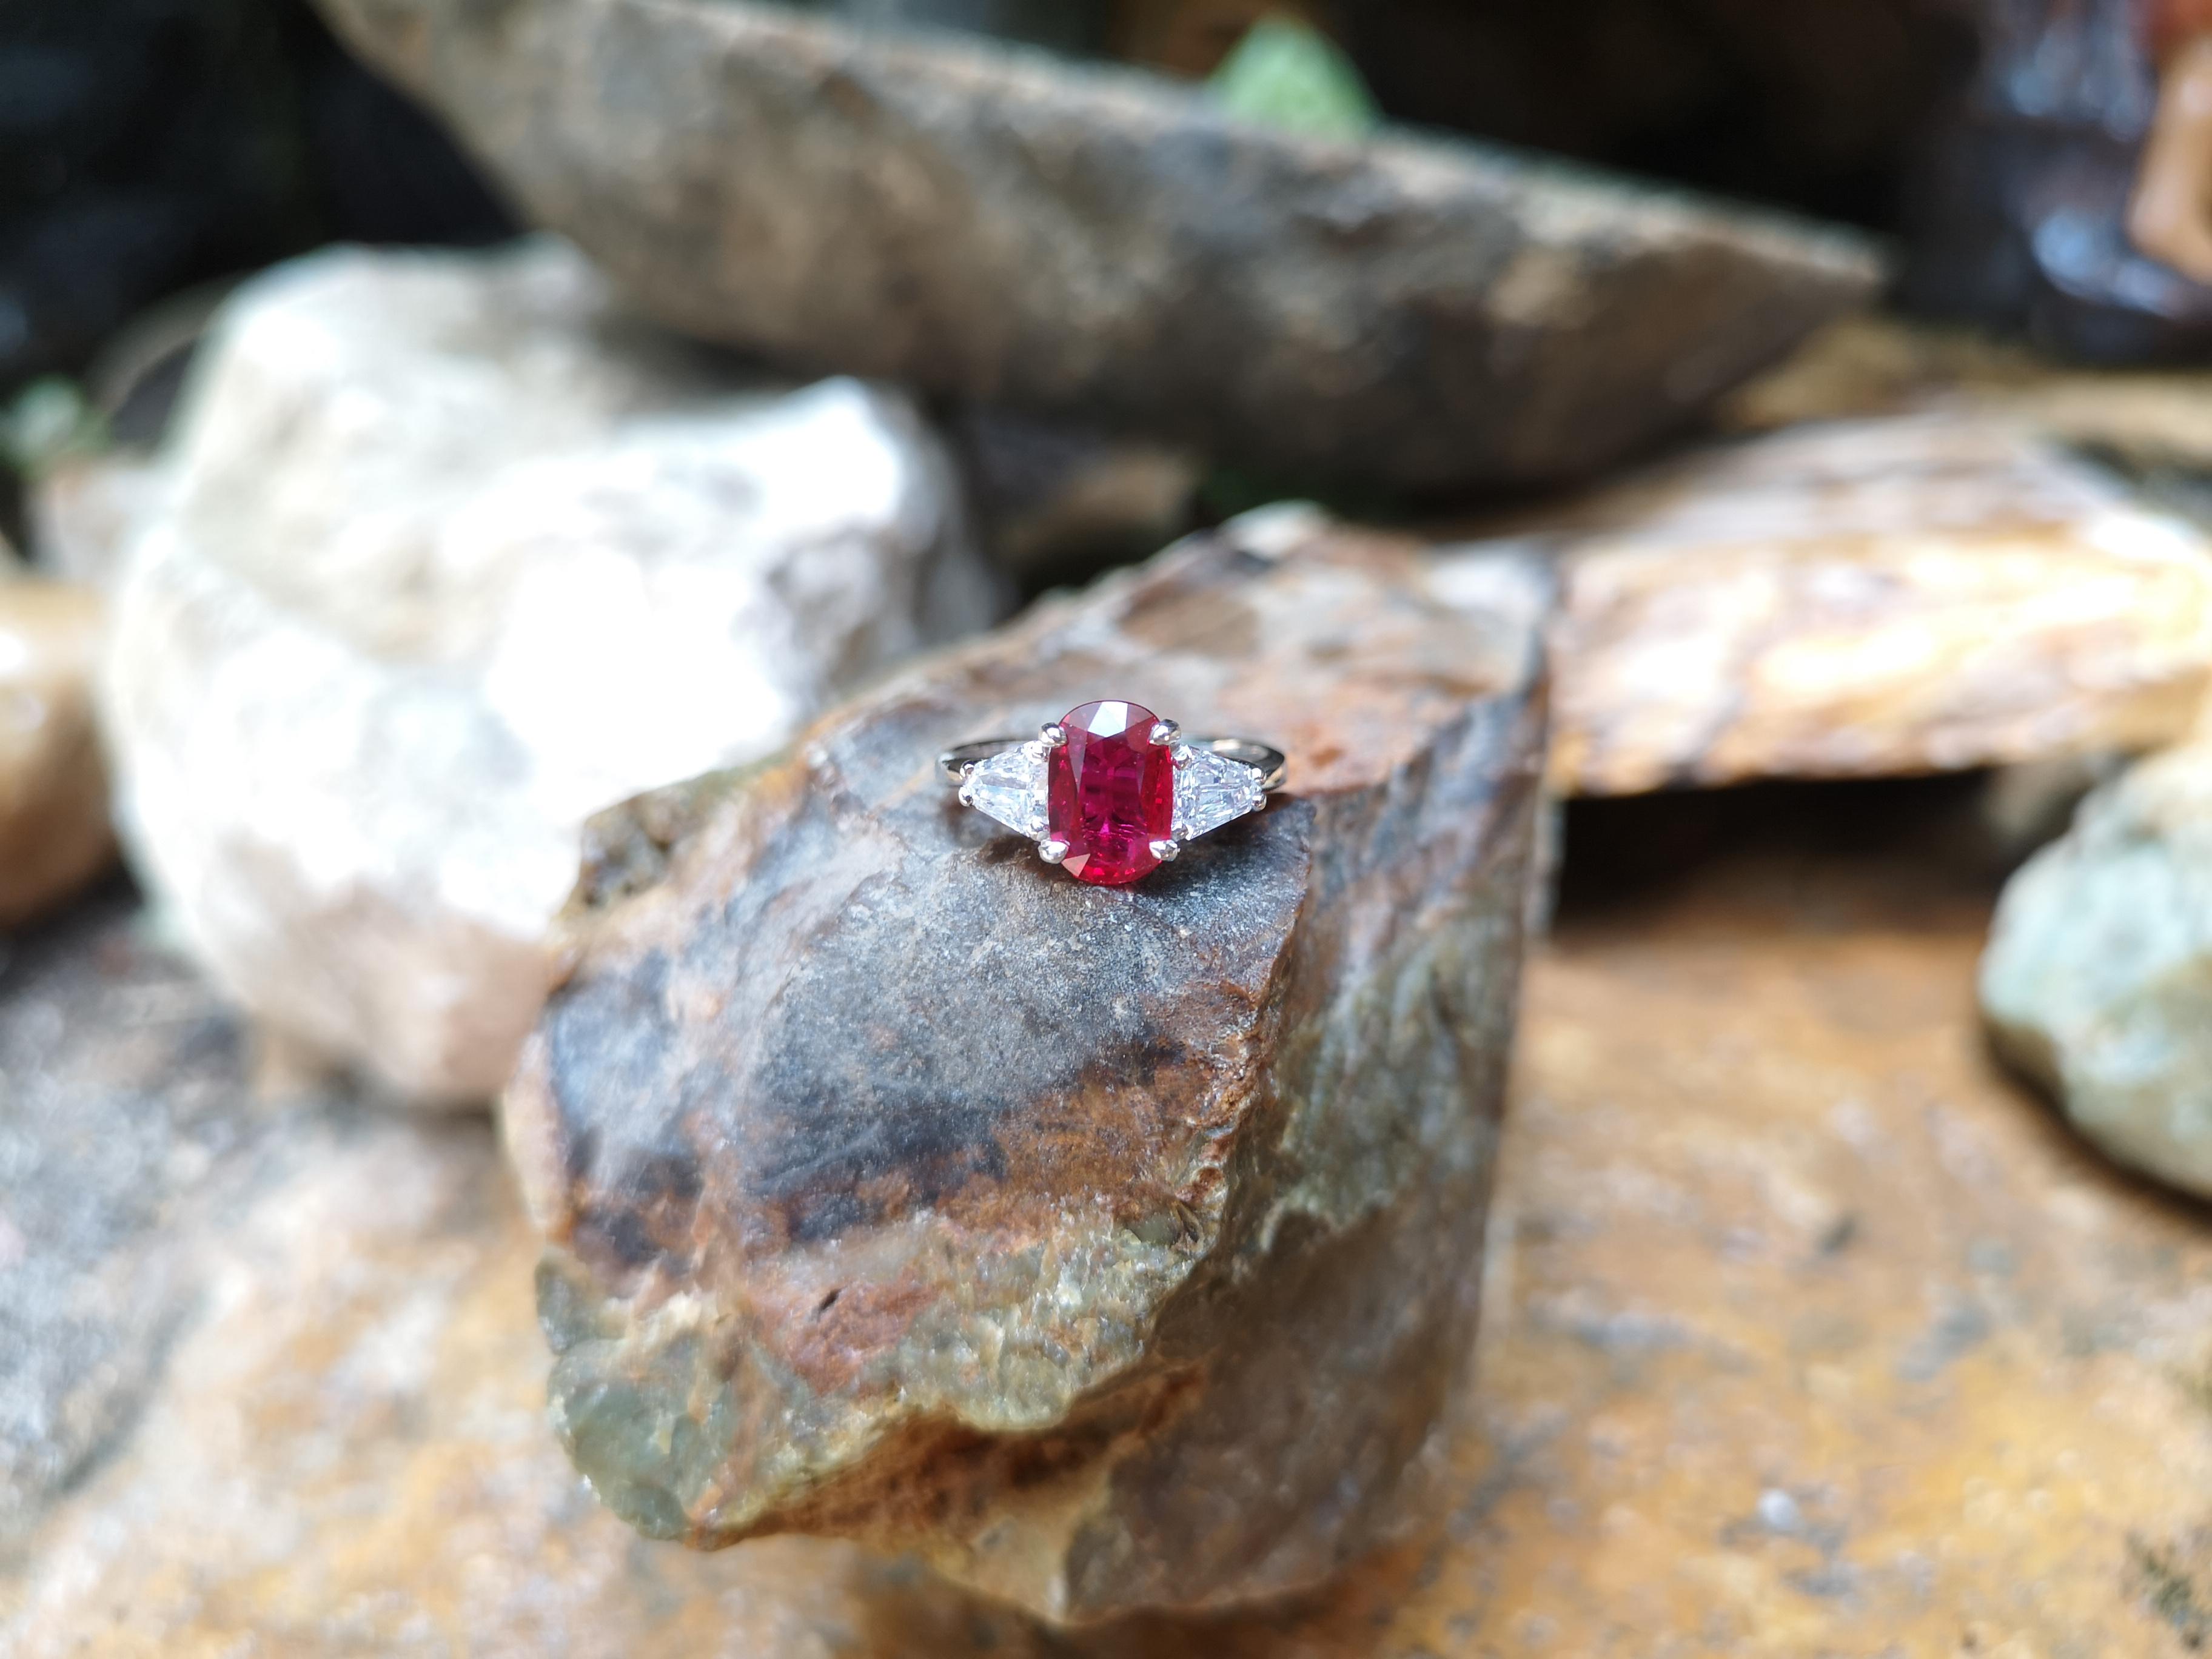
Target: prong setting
pixel 1111 790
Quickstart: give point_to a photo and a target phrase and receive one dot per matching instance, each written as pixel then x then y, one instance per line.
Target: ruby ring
pixel 1110 791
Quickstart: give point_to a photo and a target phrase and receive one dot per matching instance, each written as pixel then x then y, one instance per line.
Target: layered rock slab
pixel 1419 314
pixel 455 553
pixel 1922 594
pixel 1111 1247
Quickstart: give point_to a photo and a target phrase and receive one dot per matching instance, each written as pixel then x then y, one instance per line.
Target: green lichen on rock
pixel 1288 74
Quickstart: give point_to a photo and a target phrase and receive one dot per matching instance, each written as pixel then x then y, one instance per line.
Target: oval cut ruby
pixel 1111 793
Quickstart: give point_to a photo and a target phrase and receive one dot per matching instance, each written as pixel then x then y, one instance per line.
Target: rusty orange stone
pixel 1110 793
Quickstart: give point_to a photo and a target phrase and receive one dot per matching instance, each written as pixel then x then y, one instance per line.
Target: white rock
pixel 455 557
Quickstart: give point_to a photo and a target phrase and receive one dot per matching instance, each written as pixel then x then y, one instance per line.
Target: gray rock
pixel 125 1111
pixel 2098 979
pixel 1408 313
pixel 1112 1248
pixel 456 555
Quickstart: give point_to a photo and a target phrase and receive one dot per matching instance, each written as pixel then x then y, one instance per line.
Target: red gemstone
pixel 1111 794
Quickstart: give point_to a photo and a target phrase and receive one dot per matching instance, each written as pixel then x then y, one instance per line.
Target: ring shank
pixel 1265 759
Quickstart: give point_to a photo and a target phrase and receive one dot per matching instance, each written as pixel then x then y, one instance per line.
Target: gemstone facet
pixel 1011 788
pixel 1110 793
pixel 1210 790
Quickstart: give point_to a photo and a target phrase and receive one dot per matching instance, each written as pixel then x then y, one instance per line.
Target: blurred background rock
pixel 1770 1216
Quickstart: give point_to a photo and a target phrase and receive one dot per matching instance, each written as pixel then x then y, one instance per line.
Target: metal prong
pixel 1167 851
pixel 1052 851
pixel 1165 733
pixel 967 796
pixel 1053 733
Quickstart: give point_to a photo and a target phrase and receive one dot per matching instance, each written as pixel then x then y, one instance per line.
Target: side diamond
pixel 1011 788
pixel 1209 790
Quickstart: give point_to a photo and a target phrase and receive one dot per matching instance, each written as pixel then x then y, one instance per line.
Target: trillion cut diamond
pixel 1209 790
pixel 1011 788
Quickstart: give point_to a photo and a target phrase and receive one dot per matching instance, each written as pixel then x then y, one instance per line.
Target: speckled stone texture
pixel 1005 226
pixel 1927 592
pixel 1803 1332
pixel 1111 1249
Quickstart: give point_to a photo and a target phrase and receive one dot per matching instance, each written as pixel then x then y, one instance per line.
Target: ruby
pixel 1111 793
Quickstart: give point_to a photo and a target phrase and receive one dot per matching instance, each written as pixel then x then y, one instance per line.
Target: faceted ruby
pixel 1111 793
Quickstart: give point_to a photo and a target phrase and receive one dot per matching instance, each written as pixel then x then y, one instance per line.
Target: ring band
pixel 1111 793
pixel 1270 764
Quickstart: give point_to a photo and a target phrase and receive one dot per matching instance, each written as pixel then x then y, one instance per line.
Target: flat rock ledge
pixel 1000 225
pixel 1110 1248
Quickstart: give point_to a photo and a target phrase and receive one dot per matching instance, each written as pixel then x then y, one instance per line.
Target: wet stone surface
pixel 1112 1248
pixel 1804 1332
pixel 120 1106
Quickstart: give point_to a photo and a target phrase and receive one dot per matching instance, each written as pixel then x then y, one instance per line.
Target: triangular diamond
pixel 1210 790
pixel 1011 787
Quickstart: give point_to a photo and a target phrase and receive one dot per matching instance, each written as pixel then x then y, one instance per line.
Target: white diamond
pixel 1209 790
pixel 1011 788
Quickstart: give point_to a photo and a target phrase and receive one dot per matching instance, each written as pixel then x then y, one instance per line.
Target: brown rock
pixel 1410 312
pixel 1887 595
pixel 54 831
pixel 1111 1247
pixel 2148 420
pixel 1803 1332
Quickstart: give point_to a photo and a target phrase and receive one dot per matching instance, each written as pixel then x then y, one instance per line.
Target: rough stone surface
pixel 1414 313
pixel 118 1075
pixel 2097 981
pixel 2150 420
pixel 457 555
pixel 1113 1248
pixel 1800 1335
pixel 54 831
pixel 1915 594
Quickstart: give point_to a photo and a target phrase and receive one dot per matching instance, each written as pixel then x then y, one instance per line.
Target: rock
pixel 85 513
pixel 457 555
pixel 2148 421
pixel 1060 504
pixel 1069 26
pixel 269 1373
pixel 118 1069
pixel 54 831
pixel 1408 313
pixel 2097 981
pixel 1113 1248
pixel 1798 1328
pixel 1907 595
